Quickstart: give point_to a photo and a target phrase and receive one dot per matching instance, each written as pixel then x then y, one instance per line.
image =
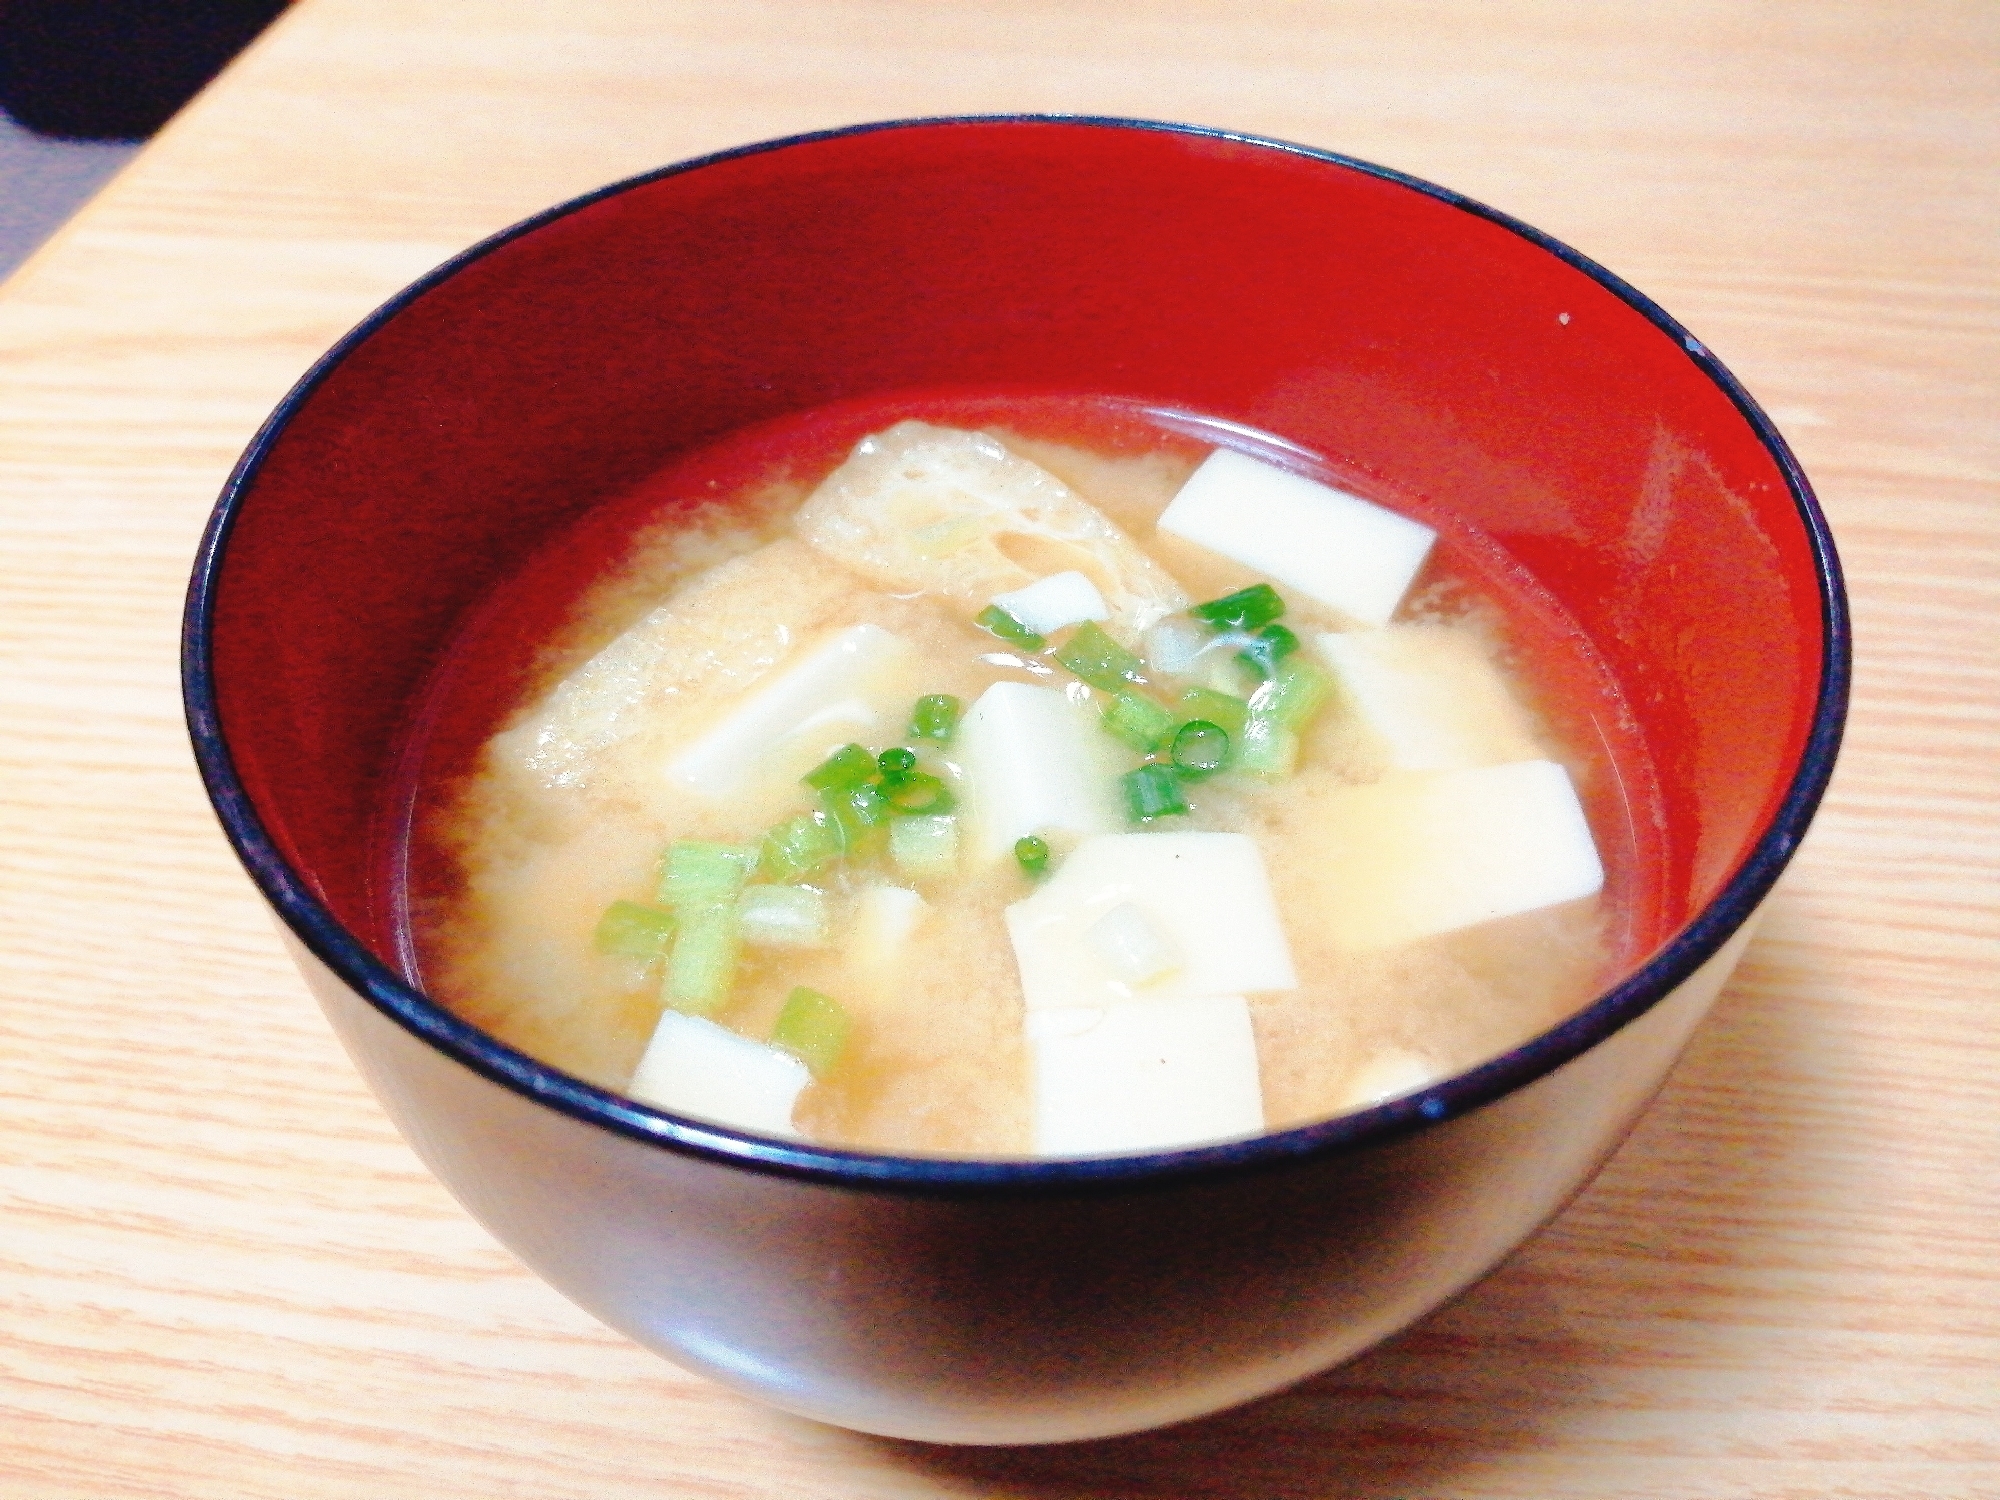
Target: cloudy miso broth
pixel 669 673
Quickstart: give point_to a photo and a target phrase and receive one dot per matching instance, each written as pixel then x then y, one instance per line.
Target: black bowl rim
pixel 315 927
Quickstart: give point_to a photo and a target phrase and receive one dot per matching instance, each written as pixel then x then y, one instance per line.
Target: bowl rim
pixel 309 921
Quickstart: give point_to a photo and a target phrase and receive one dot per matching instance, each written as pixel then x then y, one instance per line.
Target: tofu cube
pixel 1035 763
pixel 1129 947
pixel 695 1067
pixel 1048 604
pixel 850 685
pixel 1420 853
pixel 1149 1076
pixel 1389 1074
pixel 885 917
pixel 1205 894
pixel 1343 551
pixel 1428 696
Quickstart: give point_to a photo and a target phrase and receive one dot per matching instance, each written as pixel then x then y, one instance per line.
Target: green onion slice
pixel 702 966
pixel 1099 660
pixel 1200 748
pixel 783 916
pixel 850 765
pixel 1152 792
pixel 935 717
pixel 1136 721
pixel 1293 695
pixel 800 845
pixel 697 873
pixel 897 761
pixel 918 792
pixel 1222 709
pixel 860 815
pixel 1267 648
pixel 1032 854
pixel 924 847
pixel 1267 748
pixel 1246 609
pixel 629 930
pixel 995 619
pixel 813 1028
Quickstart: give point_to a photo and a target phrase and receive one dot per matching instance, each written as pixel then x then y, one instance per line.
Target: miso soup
pixel 1017 777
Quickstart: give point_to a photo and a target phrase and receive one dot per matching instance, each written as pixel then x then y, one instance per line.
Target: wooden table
pixel 221 1273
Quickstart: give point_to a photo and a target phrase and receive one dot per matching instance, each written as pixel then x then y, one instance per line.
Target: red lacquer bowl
pixel 1343 307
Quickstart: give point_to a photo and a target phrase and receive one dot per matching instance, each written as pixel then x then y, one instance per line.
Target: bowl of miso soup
pixel 1006 780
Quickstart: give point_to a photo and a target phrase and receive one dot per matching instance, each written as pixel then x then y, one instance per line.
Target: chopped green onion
pixel 864 802
pixel 1246 609
pixel 1267 748
pixel 1138 722
pixel 918 792
pixel 1200 748
pixel 813 1028
pixel 1009 629
pixel 859 813
pixel 1032 853
pixel 1152 792
pixel 935 717
pixel 1099 660
pixel 800 845
pixel 1267 648
pixel 897 761
pixel 629 930
pixel 702 966
pixel 783 916
pixel 924 847
pixel 704 874
pixel 1293 695
pixel 850 765
pixel 1227 712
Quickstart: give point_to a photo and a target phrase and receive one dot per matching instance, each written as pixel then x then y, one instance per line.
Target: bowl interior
pixel 1474 365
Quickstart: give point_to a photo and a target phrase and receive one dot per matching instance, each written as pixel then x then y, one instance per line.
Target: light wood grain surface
pixel 221 1273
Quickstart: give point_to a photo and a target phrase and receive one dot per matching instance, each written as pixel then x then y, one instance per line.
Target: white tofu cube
pixel 1429 697
pixel 1341 550
pixel 1048 604
pixel 1206 893
pixel 885 916
pixel 1151 1076
pixel 837 692
pixel 1388 1074
pixel 1035 763
pixel 1175 646
pixel 1129 946
pixel 1425 852
pixel 695 1067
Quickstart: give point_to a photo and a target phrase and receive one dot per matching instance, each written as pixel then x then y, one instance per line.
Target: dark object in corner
pixel 116 70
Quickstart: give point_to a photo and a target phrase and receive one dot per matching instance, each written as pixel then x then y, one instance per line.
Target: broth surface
pixel 520 836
